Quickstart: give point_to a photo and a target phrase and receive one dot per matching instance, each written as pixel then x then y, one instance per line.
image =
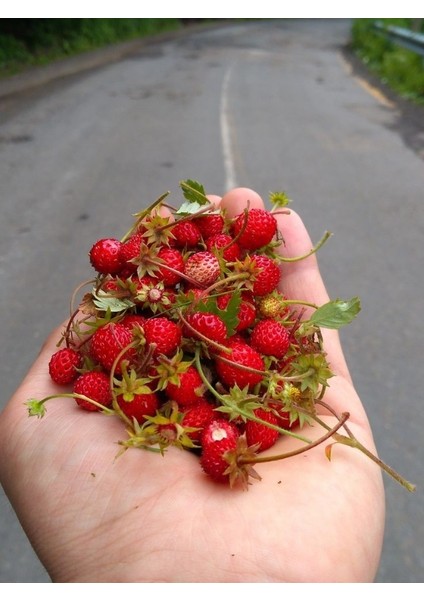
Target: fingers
pixel 301 280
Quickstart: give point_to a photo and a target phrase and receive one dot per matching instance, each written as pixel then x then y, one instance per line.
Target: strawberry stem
pixel 322 241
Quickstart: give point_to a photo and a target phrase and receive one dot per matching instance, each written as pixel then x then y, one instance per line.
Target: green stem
pixel 322 241
pixel 302 450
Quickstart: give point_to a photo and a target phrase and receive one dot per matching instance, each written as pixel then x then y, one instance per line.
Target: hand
pixel 147 518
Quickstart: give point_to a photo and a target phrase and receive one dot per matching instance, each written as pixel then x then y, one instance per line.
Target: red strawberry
pixel 247 310
pixel 105 256
pixel 174 260
pixel 230 373
pixel 140 407
pixel 210 225
pixel 130 250
pixel 256 433
pixel 108 342
pixel 218 437
pixel 231 250
pixel 96 386
pixel 63 365
pixel 268 276
pixel 131 321
pixel 189 389
pixel 207 325
pixel 270 337
pixel 203 267
pixel 257 227
pixel 164 333
pixel 283 416
pixel 198 415
pixel 186 234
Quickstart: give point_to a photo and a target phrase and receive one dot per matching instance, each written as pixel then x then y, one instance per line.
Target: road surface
pixel 271 105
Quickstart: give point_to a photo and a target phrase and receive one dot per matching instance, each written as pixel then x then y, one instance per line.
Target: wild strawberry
pixel 108 342
pixel 284 419
pixel 63 365
pixel 105 256
pixel 258 433
pixel 210 224
pixel 171 272
pixel 273 305
pixel 188 390
pixel 243 366
pixel 186 234
pixel 247 310
pixel 198 415
pixel 257 228
pixel 218 437
pixel 140 406
pixel 270 337
pixel 221 241
pixel 130 249
pixel 203 267
pixel 96 386
pixel 207 325
pixel 164 334
pixel 131 321
pixel 268 276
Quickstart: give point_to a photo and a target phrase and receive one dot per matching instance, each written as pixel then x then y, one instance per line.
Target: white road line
pixel 227 147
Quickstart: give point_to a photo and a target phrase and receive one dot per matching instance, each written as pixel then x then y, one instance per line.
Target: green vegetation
pixel 31 42
pixel 400 69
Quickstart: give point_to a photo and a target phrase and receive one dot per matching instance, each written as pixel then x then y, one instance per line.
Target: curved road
pixel 270 105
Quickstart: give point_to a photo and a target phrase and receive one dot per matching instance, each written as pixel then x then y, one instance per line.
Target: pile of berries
pixel 186 337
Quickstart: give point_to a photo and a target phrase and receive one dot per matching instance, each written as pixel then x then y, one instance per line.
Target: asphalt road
pixel 269 105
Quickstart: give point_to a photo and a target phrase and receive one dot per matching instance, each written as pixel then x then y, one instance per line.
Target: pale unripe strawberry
pixel 203 267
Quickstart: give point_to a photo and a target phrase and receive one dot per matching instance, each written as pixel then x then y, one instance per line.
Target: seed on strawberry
pixel 203 267
pixel 258 433
pixel 63 365
pixel 218 437
pixel 108 342
pixel 198 415
pixel 268 276
pixel 96 386
pixel 256 227
pixel 186 234
pixel 206 325
pixel 188 390
pixel 140 406
pixel 105 256
pixel 164 334
pixel 221 241
pixel 243 367
pixel 270 337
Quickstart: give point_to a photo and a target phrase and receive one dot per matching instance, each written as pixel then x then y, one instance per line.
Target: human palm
pixel 140 517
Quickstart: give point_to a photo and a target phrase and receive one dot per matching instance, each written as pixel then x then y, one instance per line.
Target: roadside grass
pixel 27 43
pixel 401 69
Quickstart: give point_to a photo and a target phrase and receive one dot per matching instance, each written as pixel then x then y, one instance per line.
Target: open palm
pixel 92 517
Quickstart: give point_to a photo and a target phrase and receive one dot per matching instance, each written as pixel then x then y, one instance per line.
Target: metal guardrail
pixel 403 37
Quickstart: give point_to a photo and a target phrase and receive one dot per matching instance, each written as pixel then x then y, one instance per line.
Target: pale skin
pixel 147 518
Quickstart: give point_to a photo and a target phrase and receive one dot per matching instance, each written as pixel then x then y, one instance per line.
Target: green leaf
pixel 336 313
pixel 229 314
pixel 195 195
pixel 110 303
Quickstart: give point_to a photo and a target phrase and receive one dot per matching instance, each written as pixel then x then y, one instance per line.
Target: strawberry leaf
pixel 229 315
pixel 336 313
pixel 108 302
pixel 195 195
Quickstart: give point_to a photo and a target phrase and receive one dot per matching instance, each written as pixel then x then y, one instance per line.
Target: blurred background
pixel 99 117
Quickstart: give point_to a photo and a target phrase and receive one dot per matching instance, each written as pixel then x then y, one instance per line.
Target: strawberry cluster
pixel 186 337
